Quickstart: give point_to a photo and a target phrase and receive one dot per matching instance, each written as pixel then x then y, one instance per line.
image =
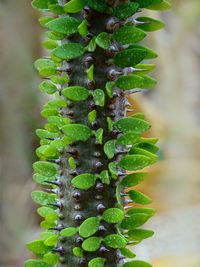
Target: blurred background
pixel 173 108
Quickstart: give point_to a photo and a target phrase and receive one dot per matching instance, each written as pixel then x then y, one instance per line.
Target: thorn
pixel 123 194
pixel 59 228
pixel 131 243
pixel 73 152
pixel 128 207
pixel 127 103
pixel 57 161
pixel 136 23
pixel 128 201
pixel 121 173
pixel 59 204
pixel 129 110
pixel 53 191
pixel 59 250
pixel 54 182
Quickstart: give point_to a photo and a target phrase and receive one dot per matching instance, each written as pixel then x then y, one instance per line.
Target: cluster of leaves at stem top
pixel 96 238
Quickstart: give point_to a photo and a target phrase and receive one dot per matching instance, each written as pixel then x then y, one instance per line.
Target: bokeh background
pixel 173 108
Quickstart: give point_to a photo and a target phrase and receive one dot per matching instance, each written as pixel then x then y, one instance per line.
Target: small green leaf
pixel 77 132
pixel 89 227
pixel 109 149
pixel 69 232
pixel 138 115
pixel 149 140
pixel 76 93
pixel 109 89
pixel 92 116
pixel 98 5
pixel 154 24
pixel 42 4
pixel 148 82
pixel 48 87
pixel 110 124
pixel 60 79
pixel 55 36
pixel 115 241
pixel 139 197
pixel 128 139
pixel 125 10
pixel 49 44
pixel 40 179
pixel 127 253
pixel 153 158
pixel 130 82
pixel 56 120
pixel 69 51
pixel 99 97
pixel 45 168
pixel 72 162
pixel 38 247
pixel 47 71
pixel 112 169
pixel 44 211
pixel 104 177
pixel 51 258
pixel 96 262
pixel 147 211
pixel 149 147
pixel 52 217
pixel 47 234
pixel 47 225
pixel 42 198
pixel 92 45
pixel 36 263
pixel 118 196
pixel 149 54
pixel 128 35
pixel 64 25
pixel 84 181
pixel 103 40
pixel 78 252
pixel 74 6
pixel 46 134
pixel 113 215
pixel 43 63
pixel 90 73
pixel 132 125
pixel 91 244
pixel 134 162
pixel 99 135
pixel 53 240
pixel 43 20
pixel 134 179
pixel 134 221
pixel 143 3
pixel 129 57
pixel 139 234
pixel 82 28
pixel 137 264
pixel 144 69
pixel 56 9
pixel 56 103
pixel 49 112
pixel 161 5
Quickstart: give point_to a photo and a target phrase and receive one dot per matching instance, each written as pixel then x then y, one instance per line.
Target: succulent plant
pixel 88 144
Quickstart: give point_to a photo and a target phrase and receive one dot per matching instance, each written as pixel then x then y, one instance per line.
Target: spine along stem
pixel 88 143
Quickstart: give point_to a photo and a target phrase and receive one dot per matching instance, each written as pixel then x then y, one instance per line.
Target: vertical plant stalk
pixel 88 145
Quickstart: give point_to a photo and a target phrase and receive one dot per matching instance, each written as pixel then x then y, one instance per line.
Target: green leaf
pixel 98 5
pixel 146 68
pixel 42 198
pixel 38 247
pixel 109 149
pixel 149 54
pixel 47 234
pixel 48 87
pixel 132 125
pixel 92 45
pixel 77 132
pixel 36 263
pixel 96 262
pixel 104 177
pixel 148 82
pixel 45 168
pixel 89 227
pixel 69 232
pixel 47 71
pixel 56 103
pixel 49 44
pixel 147 211
pixel 49 112
pixel 125 10
pixel 134 221
pixel 60 79
pixel 99 97
pixel 118 196
pixel 44 211
pixel 134 179
pixel 69 51
pixel 139 197
pixel 44 20
pixel 130 82
pixel 46 134
pixel 99 135
pixel 113 170
pixel 110 124
pixel 129 57
pixel 143 3
pixel 91 244
pixel 56 9
pixel 90 73
pixel 53 240
pixel 154 24
pixel 72 162
pixel 47 225
pixel 164 5
pixel 136 264
pixel 84 181
pixel 109 89
pixel 64 25
pixel 52 217
pixel 128 139
pixel 149 140
pixel 43 63
pixel 78 252
pixel 55 36
pixel 127 253
pixel 128 35
pixel 56 120
pixel 42 4
pixel 51 258
pixel 74 6
pixel 115 241
pixel 153 158
pixel 113 215
pixel 82 28
pixel 103 40
pixel 139 234
pixel 76 93
pixel 149 147
pixel 134 162
pixel 40 179
pixel 92 116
